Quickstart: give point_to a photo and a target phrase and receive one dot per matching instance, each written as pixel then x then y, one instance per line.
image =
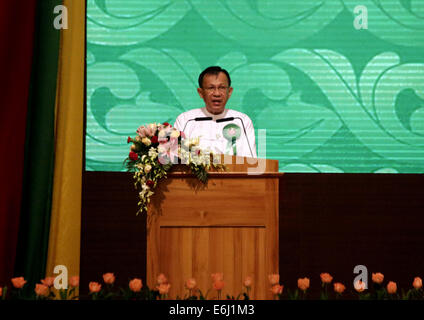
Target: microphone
pixel 197 119
pixel 244 129
pixel 224 119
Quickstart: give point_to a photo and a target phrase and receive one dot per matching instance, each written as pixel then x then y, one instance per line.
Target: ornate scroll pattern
pixel 332 98
pixel 107 102
pixel 400 22
pixel 111 22
pixel 264 23
pixel 373 117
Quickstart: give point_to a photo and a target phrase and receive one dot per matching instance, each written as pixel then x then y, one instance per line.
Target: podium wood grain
pixel 229 226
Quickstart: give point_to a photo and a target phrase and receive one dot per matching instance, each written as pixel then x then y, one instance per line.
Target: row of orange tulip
pixel 135 285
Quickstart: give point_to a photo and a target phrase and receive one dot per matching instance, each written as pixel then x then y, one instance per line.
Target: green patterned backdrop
pixel 332 98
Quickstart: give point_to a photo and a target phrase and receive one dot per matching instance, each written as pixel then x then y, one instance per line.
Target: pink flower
pixel 18 282
pixel 94 287
pixel 168 151
pixel 149 132
pixel 49 281
pixel 109 278
pixel 136 285
pixel 41 290
pixel 74 281
pixel 141 131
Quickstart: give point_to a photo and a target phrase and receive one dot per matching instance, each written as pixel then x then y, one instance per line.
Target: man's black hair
pixel 213 70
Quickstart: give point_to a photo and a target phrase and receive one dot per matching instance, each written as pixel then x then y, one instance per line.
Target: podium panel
pixel 228 226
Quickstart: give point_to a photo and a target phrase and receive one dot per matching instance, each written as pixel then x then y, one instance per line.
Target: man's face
pixel 215 92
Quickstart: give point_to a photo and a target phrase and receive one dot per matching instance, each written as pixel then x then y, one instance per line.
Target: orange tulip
pixel 218 285
pixel 303 284
pixel 49 281
pixel 274 279
pixel 41 290
pixel 217 276
pixel 136 285
pixel 377 277
pixel 190 283
pixel 391 287
pixel 18 282
pixel 326 277
pixel 359 286
pixel 248 282
pixel 277 289
pixel 161 279
pixel 94 287
pixel 109 278
pixel 163 288
pixel 74 281
pixel 339 288
pixel 418 283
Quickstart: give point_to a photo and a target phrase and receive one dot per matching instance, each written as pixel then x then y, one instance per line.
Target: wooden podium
pixel 229 226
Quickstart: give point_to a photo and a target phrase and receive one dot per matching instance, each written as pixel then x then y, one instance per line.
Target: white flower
pixel 147 168
pixel 153 153
pixel 162 134
pixel 161 149
pixel 175 134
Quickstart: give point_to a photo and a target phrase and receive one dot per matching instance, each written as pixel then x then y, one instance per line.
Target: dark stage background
pixel 328 223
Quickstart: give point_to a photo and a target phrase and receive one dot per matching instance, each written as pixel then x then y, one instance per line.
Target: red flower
pixel 150 183
pixel 154 139
pixel 133 156
pixel 166 124
pixel 129 140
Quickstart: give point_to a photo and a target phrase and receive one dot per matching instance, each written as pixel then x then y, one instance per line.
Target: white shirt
pixel 211 134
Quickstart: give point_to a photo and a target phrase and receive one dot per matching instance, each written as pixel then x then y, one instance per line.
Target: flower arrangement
pixel 135 290
pixel 154 151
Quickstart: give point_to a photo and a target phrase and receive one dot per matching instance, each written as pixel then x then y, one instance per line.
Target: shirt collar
pixel 214 116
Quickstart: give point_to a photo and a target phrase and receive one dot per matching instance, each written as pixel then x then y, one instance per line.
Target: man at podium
pixel 221 130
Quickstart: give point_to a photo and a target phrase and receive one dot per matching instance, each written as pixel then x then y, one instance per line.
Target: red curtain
pixel 16 38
